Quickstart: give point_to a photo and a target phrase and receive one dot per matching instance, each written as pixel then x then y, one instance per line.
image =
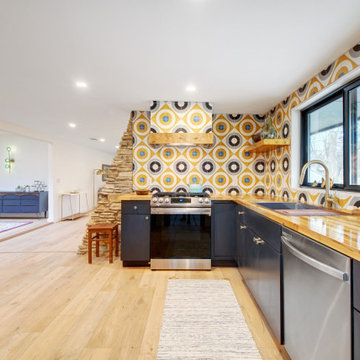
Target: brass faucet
pixel 328 198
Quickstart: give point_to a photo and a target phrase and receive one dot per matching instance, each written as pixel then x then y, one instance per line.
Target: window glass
pixel 354 153
pixel 325 141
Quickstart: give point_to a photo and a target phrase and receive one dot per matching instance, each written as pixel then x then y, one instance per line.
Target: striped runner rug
pixel 9 225
pixel 202 320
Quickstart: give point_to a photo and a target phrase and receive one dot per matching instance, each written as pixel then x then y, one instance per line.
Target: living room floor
pixel 54 305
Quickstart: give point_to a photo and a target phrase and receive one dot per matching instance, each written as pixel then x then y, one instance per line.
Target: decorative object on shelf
pixel 268 131
pixel 39 185
pixel 256 137
pixel 323 182
pixel 142 192
pixel 9 160
pixel 105 169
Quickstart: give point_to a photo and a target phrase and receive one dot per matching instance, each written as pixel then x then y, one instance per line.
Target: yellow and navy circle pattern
pixel 242 172
pixel 192 117
pixel 218 168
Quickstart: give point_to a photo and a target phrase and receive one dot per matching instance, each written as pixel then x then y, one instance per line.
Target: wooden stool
pixel 110 229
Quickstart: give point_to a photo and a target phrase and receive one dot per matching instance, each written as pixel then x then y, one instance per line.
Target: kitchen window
pixel 331 133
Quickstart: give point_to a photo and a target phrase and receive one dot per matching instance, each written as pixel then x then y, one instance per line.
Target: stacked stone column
pixel 119 181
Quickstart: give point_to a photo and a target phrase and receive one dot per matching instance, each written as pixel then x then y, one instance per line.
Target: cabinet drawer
pixel 34 198
pixel 263 227
pixel 11 197
pixel 11 209
pixel 356 284
pixel 30 209
pixel 25 202
pixel 11 202
pixel 135 207
pixel 356 335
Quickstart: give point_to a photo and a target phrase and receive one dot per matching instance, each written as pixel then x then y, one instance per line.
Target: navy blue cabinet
pixel 135 232
pixel 356 284
pixel 24 203
pixel 356 309
pixel 223 229
pixel 259 259
pixel 356 335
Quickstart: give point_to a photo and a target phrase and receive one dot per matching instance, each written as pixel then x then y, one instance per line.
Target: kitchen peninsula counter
pixel 339 232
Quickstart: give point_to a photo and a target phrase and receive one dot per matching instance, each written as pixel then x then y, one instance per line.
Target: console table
pixel 75 211
pixel 24 202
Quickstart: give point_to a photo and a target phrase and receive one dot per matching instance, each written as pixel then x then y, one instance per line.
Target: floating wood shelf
pixel 181 138
pixel 267 145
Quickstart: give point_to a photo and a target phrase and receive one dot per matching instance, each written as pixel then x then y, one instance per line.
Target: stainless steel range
pixel 180 231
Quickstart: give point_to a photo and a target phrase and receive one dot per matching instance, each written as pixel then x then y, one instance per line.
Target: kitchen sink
pixel 287 205
pixel 299 209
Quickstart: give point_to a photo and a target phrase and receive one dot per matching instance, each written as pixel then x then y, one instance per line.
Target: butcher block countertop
pixel 340 232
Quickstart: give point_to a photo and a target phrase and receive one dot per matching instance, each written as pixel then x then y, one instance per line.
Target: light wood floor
pixel 53 305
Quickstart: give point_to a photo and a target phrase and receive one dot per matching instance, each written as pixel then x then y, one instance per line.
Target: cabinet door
pixel 135 237
pixel 356 335
pixel 268 289
pixel 249 261
pixel 356 284
pixel 223 231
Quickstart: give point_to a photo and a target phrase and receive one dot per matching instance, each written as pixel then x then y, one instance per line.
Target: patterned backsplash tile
pixel 226 167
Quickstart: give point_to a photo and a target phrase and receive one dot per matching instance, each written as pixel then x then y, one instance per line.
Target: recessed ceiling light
pixel 102 139
pixel 191 88
pixel 81 84
pixel 72 125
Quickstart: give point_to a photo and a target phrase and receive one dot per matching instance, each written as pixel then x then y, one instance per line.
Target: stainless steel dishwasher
pixel 317 302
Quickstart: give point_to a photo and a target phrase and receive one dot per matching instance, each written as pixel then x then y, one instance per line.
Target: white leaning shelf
pixel 73 213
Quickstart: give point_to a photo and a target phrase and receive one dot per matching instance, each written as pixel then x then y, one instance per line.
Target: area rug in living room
pixel 10 225
pixel 202 320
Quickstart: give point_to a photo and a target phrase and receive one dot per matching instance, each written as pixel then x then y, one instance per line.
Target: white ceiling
pixel 244 56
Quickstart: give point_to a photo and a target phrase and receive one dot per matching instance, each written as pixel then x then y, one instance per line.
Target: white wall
pixel 31 161
pixel 73 171
pixel 70 167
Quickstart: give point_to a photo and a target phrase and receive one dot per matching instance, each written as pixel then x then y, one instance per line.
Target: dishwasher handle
pixel 315 263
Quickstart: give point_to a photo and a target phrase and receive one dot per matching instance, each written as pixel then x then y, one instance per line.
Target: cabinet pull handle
pixel 242 227
pixel 135 207
pixel 146 218
pixel 241 212
pixel 258 241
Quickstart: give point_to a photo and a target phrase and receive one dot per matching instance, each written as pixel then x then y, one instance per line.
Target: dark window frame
pixel 342 92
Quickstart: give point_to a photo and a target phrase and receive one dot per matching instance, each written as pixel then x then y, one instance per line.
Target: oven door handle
pixel 181 211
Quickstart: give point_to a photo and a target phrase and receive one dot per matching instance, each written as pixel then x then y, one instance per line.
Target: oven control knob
pixel 201 200
pixel 161 200
pixel 207 201
pixel 154 200
pixel 167 200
